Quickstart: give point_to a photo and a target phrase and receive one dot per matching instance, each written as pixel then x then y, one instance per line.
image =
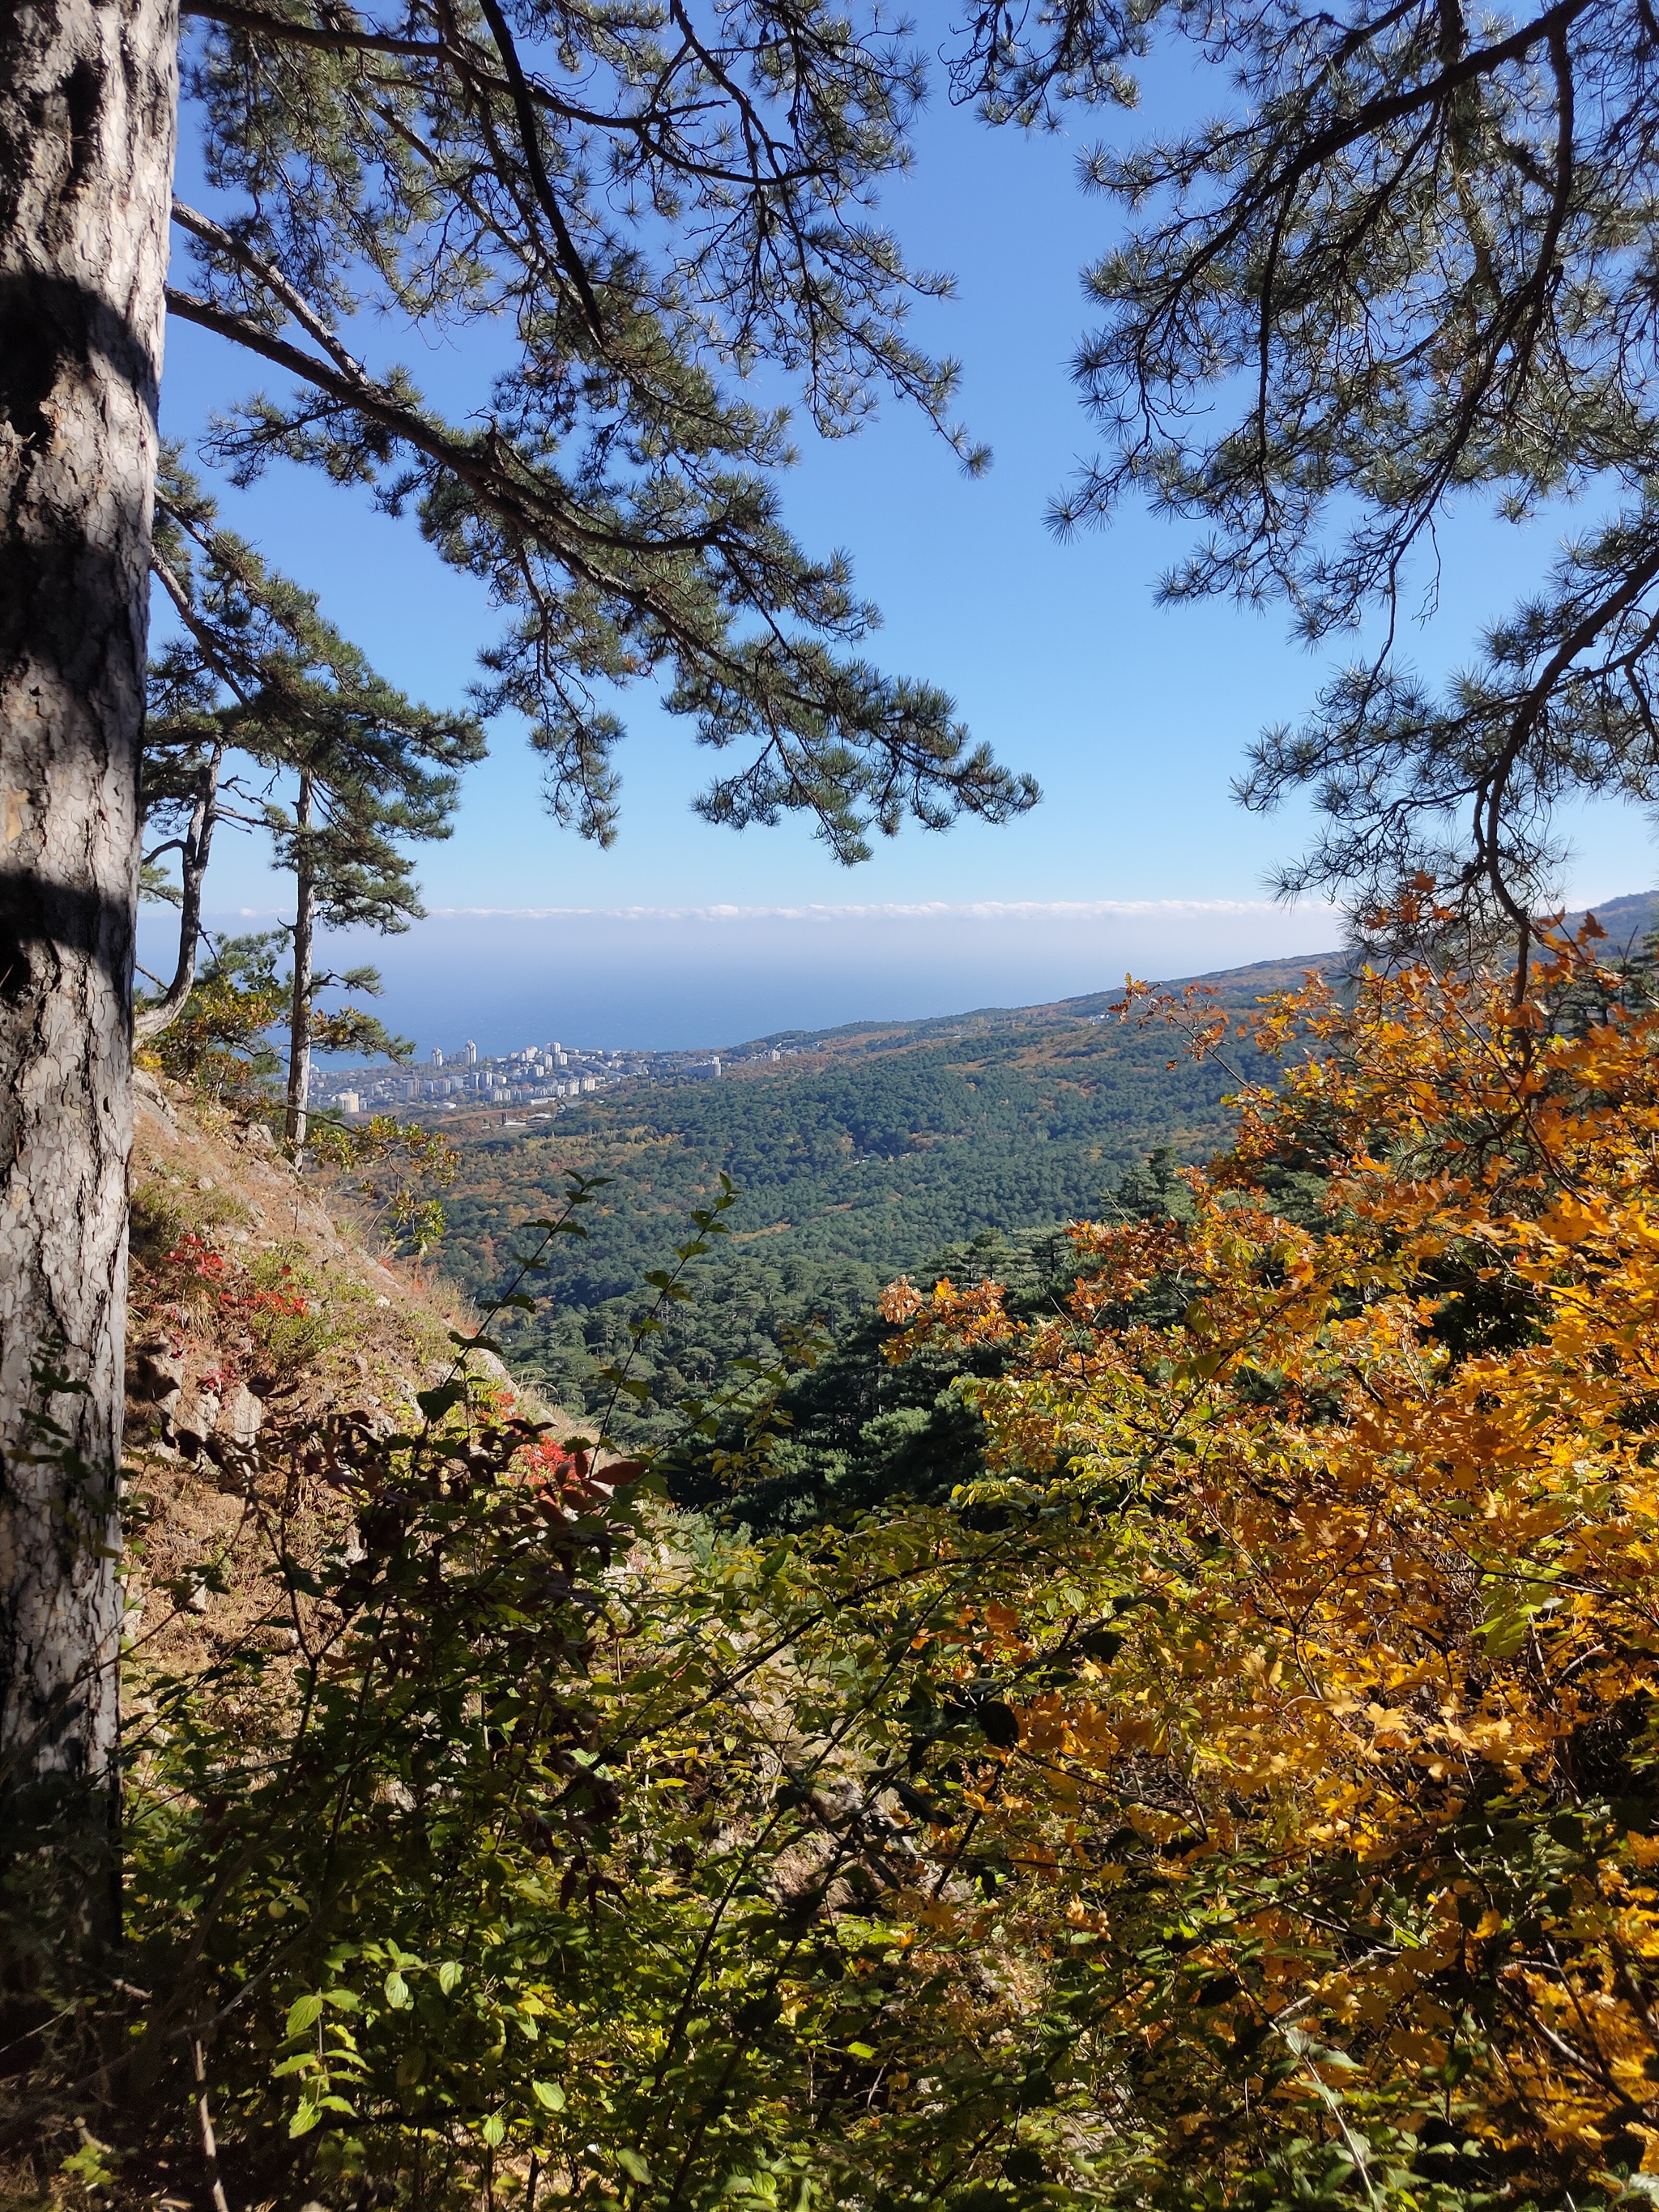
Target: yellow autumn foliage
pixel 1357 1784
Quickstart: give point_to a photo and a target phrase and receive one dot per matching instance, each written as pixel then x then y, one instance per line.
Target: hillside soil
pixel 259 1311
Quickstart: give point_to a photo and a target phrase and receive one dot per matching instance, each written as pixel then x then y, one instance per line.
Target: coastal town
pixel 544 1078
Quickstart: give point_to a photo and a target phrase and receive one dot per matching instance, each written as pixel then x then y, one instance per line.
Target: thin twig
pixel 204 2122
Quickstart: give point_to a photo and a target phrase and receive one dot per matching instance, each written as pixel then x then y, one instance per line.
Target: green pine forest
pixel 878 1150
pixel 956 1148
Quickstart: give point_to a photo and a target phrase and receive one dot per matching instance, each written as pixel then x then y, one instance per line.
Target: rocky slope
pixel 259 1310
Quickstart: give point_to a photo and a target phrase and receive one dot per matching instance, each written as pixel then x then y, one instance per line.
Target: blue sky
pixel 1132 719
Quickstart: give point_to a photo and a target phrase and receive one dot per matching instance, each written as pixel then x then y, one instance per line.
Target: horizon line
pixel 924 910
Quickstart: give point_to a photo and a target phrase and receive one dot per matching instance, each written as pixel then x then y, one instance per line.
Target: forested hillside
pixel 861 1156
pixel 871 1151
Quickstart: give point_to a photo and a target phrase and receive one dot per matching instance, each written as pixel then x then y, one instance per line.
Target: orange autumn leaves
pixel 1367 1520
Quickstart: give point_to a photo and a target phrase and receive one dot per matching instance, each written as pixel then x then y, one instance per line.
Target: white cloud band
pixel 922 910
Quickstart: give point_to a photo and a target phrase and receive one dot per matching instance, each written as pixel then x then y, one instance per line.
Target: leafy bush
pixel 265 1311
pixel 394 1169
pixel 219 1044
pixel 531 1839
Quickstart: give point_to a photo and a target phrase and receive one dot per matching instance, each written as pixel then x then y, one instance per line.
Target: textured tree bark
pixel 88 108
pixel 305 926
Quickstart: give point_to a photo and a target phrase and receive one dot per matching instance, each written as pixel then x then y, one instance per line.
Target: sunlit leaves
pixel 1380 1513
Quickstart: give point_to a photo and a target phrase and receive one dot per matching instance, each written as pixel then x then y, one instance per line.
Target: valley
pixel 869 1152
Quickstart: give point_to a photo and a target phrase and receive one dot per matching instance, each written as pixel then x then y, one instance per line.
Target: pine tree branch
pixel 1375 116
pixel 519 505
pixel 530 137
pixel 523 510
pixel 1494 785
pixel 651 127
pixel 298 306
pixel 198 629
pixel 258 23
pixel 195 848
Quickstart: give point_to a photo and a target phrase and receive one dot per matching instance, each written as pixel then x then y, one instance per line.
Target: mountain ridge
pixel 1627 918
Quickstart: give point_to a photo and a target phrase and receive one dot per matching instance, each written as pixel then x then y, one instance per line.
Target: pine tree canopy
pixel 1407 268
pixel 1410 267
pixel 259 670
pixel 639 205
pixel 259 680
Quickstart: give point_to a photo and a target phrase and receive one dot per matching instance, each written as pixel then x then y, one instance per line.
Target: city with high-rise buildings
pixel 543 1077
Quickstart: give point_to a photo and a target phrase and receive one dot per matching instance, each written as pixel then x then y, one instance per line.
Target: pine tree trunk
pixel 87 106
pixel 196 850
pixel 299 1030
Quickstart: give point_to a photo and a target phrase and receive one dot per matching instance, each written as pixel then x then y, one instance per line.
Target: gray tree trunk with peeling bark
pixel 88 117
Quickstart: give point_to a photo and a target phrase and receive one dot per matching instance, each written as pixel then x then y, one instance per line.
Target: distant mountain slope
pixel 1626 919
pixel 1239 986
pixel 859 1156
pixel 854 1163
pixel 871 1150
